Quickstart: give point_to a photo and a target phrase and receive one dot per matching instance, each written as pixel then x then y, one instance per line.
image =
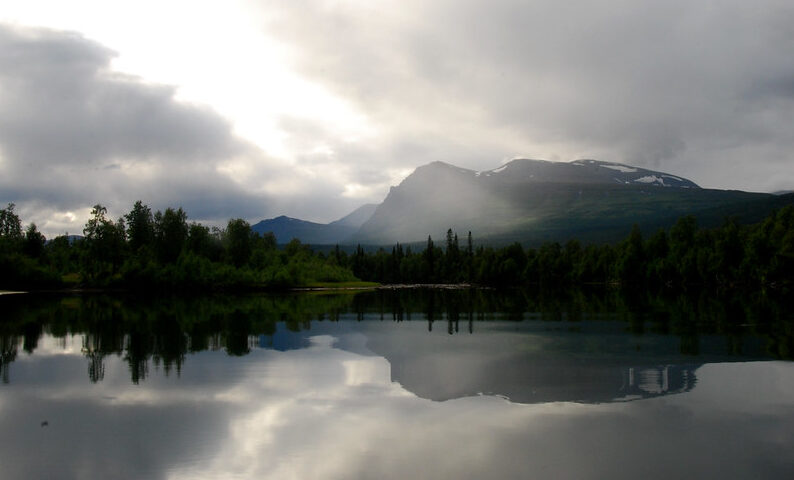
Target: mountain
pixel 357 217
pixel 339 231
pixel 583 172
pixel 71 239
pixel 533 201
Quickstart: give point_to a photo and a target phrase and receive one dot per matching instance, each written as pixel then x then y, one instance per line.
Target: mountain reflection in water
pixel 529 362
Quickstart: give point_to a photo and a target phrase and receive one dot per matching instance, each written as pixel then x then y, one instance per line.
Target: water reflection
pixel 656 381
pixel 534 362
pixel 325 406
pixel 8 353
pixel 340 416
pixel 159 333
pixel 417 384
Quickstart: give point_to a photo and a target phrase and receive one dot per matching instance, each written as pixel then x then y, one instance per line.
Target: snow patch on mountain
pixel 650 179
pixel 620 168
pixel 488 173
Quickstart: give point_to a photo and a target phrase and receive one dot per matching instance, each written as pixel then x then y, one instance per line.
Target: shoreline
pixel 435 286
pixel 354 288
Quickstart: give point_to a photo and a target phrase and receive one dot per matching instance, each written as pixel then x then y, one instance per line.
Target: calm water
pixel 410 384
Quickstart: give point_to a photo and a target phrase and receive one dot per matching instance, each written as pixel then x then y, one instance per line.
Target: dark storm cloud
pixel 74 133
pixel 703 88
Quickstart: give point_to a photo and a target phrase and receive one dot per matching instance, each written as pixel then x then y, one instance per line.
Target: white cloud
pixel 74 133
pixel 665 85
pixel 308 108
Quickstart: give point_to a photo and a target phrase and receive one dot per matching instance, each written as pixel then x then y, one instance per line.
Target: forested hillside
pixel 732 255
pixel 534 201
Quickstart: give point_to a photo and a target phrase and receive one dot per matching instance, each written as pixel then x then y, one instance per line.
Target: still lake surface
pixel 396 384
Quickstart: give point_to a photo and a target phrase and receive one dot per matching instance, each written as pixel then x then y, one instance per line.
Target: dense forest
pixel 156 252
pixel 162 251
pixel 733 255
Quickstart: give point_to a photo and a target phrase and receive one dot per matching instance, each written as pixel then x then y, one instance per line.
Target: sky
pixel 311 108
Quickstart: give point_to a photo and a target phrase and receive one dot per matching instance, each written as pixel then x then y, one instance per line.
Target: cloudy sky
pixel 311 108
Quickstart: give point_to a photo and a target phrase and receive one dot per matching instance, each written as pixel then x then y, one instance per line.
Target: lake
pixel 411 383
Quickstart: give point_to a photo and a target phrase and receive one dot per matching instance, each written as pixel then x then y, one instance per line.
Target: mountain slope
pixel 339 231
pixel 532 201
pixel 357 217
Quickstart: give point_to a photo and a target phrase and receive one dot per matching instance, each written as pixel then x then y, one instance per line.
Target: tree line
pixel 156 251
pixel 733 255
pixel 162 250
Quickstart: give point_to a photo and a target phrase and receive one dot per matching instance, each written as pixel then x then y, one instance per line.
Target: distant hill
pixel 339 231
pixel 532 201
pixel 69 238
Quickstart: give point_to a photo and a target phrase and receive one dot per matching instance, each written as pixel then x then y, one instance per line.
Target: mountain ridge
pixel 286 228
pixel 593 171
pixel 529 201
pixel 533 201
pixel 357 217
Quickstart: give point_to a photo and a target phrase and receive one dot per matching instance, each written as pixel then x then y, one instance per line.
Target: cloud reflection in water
pixel 322 412
pixel 333 411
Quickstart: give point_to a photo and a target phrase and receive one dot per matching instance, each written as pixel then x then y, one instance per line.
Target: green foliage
pixel 204 242
pixel 191 257
pixel 170 234
pixel 140 226
pixel 61 256
pixel 629 268
pixel 162 253
pixel 10 224
pixel 21 273
pixel 754 256
pixel 103 247
pixel 33 245
pixel 239 241
pixel 11 239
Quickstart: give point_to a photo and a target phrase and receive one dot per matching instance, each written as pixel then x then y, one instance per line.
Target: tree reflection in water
pixel 8 353
pixel 162 331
